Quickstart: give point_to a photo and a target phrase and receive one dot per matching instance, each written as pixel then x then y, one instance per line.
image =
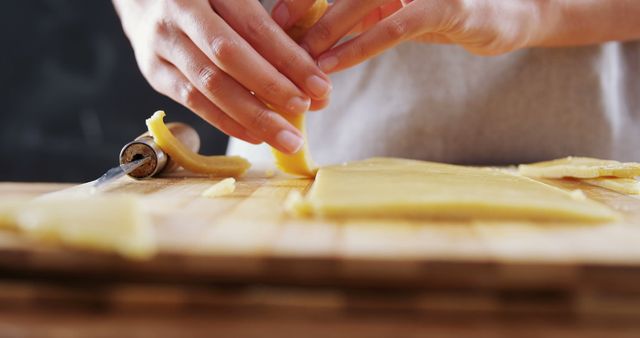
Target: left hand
pixel 483 27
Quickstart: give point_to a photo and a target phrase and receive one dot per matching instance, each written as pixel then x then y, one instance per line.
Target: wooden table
pixel 238 266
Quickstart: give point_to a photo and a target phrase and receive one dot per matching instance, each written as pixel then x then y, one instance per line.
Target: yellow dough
pixel 9 208
pixel 385 187
pixel 114 223
pixel 580 167
pixel 222 188
pixel 313 15
pixel 300 163
pixel 627 186
pixel 211 165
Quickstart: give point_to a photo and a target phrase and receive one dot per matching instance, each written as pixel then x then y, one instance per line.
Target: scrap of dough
pixel 580 167
pixel 300 163
pixel 627 186
pixel 212 165
pixel 9 208
pixel 385 187
pixel 107 222
pixel 222 188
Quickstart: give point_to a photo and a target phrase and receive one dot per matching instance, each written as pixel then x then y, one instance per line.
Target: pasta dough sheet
pixel 112 223
pixel 397 188
pixel 580 167
pixel 627 186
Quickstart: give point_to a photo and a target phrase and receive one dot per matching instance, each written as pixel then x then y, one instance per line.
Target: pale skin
pixel 228 62
pixel 224 58
pixel 483 27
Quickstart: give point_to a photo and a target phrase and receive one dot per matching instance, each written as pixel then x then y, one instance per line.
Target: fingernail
pixel 328 63
pixel 281 14
pixel 318 86
pixel 298 105
pixel 289 141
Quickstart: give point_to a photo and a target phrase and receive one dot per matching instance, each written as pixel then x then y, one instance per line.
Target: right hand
pixel 222 59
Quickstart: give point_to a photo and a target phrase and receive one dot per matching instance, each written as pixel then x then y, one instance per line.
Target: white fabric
pixel 440 103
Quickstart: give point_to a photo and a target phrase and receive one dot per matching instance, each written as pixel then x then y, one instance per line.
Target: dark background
pixel 72 94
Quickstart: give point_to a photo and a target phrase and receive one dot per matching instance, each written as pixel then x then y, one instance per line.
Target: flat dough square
pixel 396 188
pixel 580 167
pixel 627 186
pixel 110 222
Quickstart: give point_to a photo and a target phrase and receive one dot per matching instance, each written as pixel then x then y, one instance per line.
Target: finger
pixel 231 97
pixel 337 22
pixel 405 24
pixel 168 80
pixel 433 38
pixel 319 104
pixel 253 23
pixel 376 15
pixel 236 57
pixel 371 19
pixel 288 12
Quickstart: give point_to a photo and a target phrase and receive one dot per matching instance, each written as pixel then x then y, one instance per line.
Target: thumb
pixel 287 12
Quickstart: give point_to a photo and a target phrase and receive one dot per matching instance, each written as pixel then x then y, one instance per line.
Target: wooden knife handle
pixel 145 147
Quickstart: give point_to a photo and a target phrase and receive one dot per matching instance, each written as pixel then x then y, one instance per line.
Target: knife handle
pixel 144 146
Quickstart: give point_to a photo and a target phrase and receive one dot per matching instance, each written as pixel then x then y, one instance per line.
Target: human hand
pixel 225 60
pixel 483 27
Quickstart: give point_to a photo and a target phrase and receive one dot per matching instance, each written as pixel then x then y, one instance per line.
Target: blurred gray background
pixel 71 92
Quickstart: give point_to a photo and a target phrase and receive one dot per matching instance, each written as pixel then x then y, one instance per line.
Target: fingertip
pixel 319 104
pixel 289 142
pixel 328 62
pixel 318 87
pixel 298 105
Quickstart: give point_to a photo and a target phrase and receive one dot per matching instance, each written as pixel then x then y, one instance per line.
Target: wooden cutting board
pixel 247 238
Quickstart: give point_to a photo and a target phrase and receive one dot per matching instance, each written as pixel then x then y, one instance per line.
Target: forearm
pixel 584 22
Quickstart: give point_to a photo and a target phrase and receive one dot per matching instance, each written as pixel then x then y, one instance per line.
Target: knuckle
pixel 290 61
pixel 162 32
pixel 188 95
pixel 396 29
pixel 271 88
pixel 223 49
pixel 211 79
pixel 260 120
pixel 259 27
pixel 358 51
pixel 321 31
pixel 160 27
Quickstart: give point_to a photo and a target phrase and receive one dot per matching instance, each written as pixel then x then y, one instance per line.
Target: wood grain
pixel 223 253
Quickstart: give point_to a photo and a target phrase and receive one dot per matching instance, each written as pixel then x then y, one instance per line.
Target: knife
pixel 142 158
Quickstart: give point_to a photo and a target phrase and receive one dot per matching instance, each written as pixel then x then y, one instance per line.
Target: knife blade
pixel 119 171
